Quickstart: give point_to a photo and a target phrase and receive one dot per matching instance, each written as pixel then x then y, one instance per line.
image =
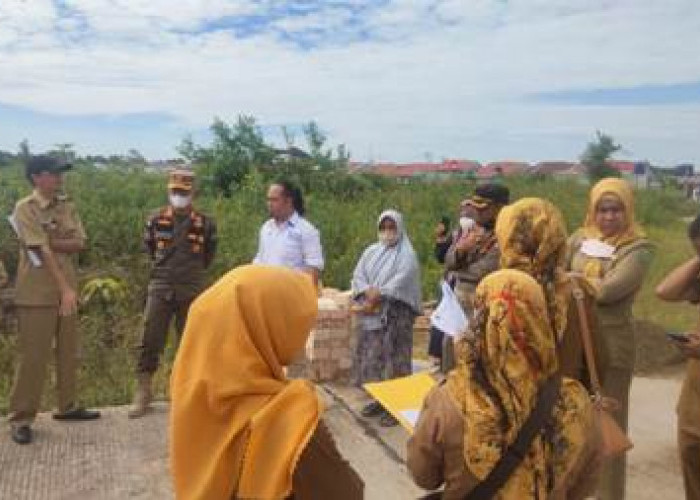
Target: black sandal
pixel 388 420
pixel 373 409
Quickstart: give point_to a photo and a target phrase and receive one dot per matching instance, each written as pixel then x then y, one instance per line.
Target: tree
pixel 135 157
pixel 64 151
pixel 236 150
pixel 316 140
pixel 24 151
pixel 596 156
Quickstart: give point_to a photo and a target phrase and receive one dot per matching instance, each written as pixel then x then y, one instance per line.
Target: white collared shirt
pixel 295 243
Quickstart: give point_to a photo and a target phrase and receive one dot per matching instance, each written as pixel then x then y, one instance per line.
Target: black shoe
pixel 373 409
pixel 388 420
pixel 77 414
pixel 22 434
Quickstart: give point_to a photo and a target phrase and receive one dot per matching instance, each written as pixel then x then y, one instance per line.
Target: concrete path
pixel 118 458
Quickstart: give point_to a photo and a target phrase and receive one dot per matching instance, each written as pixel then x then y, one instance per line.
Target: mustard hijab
pixel 623 191
pixel 237 425
pixel 532 237
pixel 499 372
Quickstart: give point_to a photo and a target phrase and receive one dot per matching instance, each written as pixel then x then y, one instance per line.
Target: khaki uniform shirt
pixel 436 454
pixel 623 276
pixel 39 220
pixel 469 269
pixel 689 402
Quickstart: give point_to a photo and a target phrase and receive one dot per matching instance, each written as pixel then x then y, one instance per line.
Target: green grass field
pixel 113 205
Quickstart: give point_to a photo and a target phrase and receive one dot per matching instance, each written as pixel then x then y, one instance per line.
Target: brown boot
pixel 142 396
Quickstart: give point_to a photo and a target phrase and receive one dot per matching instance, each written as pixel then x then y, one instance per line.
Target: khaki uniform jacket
pixel 39 220
pixel 469 269
pixel 623 276
pixel 436 454
pixel 322 473
pixel 689 401
pixel 570 352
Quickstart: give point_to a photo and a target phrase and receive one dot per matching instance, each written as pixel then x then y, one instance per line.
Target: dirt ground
pixel 118 458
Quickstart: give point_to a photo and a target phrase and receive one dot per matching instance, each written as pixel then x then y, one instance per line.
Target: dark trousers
pixel 161 307
pixel 435 342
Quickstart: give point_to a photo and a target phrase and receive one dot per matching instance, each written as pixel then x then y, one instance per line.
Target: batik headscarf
pixel 237 425
pixel 532 237
pixel 500 370
pixel 623 191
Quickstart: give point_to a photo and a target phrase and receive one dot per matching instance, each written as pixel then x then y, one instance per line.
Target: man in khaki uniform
pixel 474 253
pixel 683 283
pixel 181 242
pixel 50 234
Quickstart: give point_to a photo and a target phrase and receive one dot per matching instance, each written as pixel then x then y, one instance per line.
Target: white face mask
pixel 389 238
pixel 466 223
pixel 180 200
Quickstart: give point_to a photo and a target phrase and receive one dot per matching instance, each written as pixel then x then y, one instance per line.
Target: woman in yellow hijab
pixel 238 428
pixel 532 237
pixel 467 423
pixel 613 254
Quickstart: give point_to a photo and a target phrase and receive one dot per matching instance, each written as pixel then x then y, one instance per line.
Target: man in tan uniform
pixel 683 283
pixel 181 242
pixel 50 234
pixel 474 253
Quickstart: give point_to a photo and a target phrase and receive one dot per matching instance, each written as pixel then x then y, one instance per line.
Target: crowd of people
pixel 549 314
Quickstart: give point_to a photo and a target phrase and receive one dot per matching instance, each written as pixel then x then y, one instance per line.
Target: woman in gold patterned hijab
pixel 612 253
pixel 467 423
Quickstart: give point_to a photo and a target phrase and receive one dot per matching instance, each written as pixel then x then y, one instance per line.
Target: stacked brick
pixel 331 345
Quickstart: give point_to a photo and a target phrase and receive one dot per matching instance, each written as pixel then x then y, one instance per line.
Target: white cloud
pixel 450 77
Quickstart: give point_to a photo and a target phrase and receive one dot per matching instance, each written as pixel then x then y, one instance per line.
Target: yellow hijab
pixel 623 191
pixel 237 425
pixel 499 372
pixel 532 238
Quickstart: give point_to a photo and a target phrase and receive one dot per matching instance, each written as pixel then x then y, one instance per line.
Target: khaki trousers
pixel 41 329
pixel 689 449
pixel 617 382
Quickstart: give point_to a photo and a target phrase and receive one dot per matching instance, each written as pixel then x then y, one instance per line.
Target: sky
pixel 395 81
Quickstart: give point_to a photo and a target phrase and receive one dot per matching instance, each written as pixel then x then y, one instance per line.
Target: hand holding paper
pixel 449 316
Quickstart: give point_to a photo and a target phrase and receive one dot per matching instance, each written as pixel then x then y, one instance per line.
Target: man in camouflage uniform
pixel 181 242
pixel 51 235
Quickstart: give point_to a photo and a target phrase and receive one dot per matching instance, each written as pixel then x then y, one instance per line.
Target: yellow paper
pixel 402 397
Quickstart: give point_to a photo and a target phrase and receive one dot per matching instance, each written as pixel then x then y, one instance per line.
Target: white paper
pixel 449 316
pixel 34 257
pixel 598 249
pixel 411 416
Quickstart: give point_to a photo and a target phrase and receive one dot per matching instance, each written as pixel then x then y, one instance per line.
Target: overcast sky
pixel 395 81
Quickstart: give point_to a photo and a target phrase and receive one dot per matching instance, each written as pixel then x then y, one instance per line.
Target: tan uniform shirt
pixel 623 276
pixel 39 220
pixel 469 268
pixel 436 454
pixel 689 401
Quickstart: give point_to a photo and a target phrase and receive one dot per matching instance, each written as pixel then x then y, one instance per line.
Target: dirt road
pixel 117 458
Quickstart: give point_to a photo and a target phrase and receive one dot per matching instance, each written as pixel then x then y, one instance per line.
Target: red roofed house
pixel 503 168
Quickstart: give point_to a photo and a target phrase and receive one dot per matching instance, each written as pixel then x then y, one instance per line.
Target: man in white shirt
pixel 287 239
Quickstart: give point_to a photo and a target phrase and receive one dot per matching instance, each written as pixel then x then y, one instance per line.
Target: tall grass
pixel 114 204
